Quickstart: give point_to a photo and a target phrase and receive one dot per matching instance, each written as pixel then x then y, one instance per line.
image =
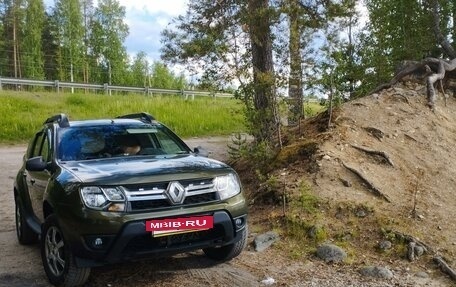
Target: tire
pixel 228 252
pixel 57 258
pixel 25 235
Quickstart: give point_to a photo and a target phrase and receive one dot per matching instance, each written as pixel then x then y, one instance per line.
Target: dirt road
pixel 21 265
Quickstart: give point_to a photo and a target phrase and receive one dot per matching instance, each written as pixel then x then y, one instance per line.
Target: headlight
pixel 227 186
pixel 103 198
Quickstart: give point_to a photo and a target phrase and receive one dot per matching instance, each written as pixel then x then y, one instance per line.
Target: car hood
pixel 141 169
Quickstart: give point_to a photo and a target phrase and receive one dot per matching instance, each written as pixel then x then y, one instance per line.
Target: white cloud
pixel 170 7
pixel 146 20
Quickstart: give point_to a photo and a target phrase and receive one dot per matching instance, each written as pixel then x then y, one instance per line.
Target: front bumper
pixel 133 242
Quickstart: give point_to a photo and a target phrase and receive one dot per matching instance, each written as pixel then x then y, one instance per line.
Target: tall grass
pixel 23 113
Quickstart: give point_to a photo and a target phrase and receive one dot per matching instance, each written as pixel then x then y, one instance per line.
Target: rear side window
pixel 40 147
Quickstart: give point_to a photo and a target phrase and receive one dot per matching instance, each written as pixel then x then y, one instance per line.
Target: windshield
pixel 93 142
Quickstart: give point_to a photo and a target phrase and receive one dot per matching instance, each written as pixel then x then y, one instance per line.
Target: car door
pixel 37 180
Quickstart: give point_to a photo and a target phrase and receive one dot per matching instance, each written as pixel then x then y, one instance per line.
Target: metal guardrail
pixel 108 88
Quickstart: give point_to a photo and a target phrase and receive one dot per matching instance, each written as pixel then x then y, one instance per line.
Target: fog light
pixel 239 222
pixel 117 207
pixel 98 242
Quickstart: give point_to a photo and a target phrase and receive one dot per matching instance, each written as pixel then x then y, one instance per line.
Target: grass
pixel 24 112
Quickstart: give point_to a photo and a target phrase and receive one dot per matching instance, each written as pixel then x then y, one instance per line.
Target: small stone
pixel 385 245
pixel 439 227
pixel 264 241
pixel 422 275
pixel 420 216
pixel 361 213
pixel 346 183
pixel 268 281
pixel 419 250
pixel 326 157
pixel 331 253
pixel 377 272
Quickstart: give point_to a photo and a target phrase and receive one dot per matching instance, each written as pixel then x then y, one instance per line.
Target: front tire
pixel 228 252
pixel 57 258
pixel 25 235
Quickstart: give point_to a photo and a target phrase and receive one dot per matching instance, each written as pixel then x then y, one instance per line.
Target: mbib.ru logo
pixel 187 223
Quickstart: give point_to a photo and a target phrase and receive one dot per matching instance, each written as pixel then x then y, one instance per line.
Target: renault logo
pixel 175 192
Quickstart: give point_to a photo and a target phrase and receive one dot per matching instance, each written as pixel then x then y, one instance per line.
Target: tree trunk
pixel 295 81
pixel 446 46
pixel 264 123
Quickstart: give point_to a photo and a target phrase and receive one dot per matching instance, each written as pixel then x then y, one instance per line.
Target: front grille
pixel 154 196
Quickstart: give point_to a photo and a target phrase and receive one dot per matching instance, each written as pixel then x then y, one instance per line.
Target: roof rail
pixel 61 119
pixel 144 117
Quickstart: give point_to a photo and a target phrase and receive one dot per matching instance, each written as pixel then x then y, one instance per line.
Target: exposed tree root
pixel 436 70
pixel 369 184
pixel 383 154
pixel 411 251
pixel 410 137
pixel 378 134
pixel 413 242
pixel 445 267
pixel 402 97
pixel 408 238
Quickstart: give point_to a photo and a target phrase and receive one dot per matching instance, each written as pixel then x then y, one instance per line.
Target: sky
pixel 146 19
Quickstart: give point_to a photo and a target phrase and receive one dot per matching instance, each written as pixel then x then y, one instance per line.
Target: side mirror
pixel 201 151
pixel 35 164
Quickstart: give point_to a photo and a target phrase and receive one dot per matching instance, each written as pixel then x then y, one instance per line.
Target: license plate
pixel 170 226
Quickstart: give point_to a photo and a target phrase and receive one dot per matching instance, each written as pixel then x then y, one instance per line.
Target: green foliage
pixel 24 113
pixel 68 30
pixel 163 78
pixel 398 30
pixel 238 147
pixel 108 34
pixel 32 51
pixel 306 200
pixel 140 70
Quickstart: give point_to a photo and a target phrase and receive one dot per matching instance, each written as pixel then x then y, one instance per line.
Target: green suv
pixel 98 192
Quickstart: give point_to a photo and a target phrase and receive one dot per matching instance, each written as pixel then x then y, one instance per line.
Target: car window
pixel 41 147
pixel 45 149
pixel 95 142
pixel 167 143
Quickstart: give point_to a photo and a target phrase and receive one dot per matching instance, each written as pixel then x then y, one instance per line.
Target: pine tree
pixel 13 13
pixel 32 51
pixel 109 32
pixel 69 33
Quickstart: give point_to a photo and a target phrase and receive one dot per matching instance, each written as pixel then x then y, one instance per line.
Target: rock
pixel 326 157
pixel 315 231
pixel 377 272
pixel 422 275
pixel 331 253
pixel 265 240
pixel 268 281
pixel 361 213
pixel 385 245
pixel 346 183
pixel 419 250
